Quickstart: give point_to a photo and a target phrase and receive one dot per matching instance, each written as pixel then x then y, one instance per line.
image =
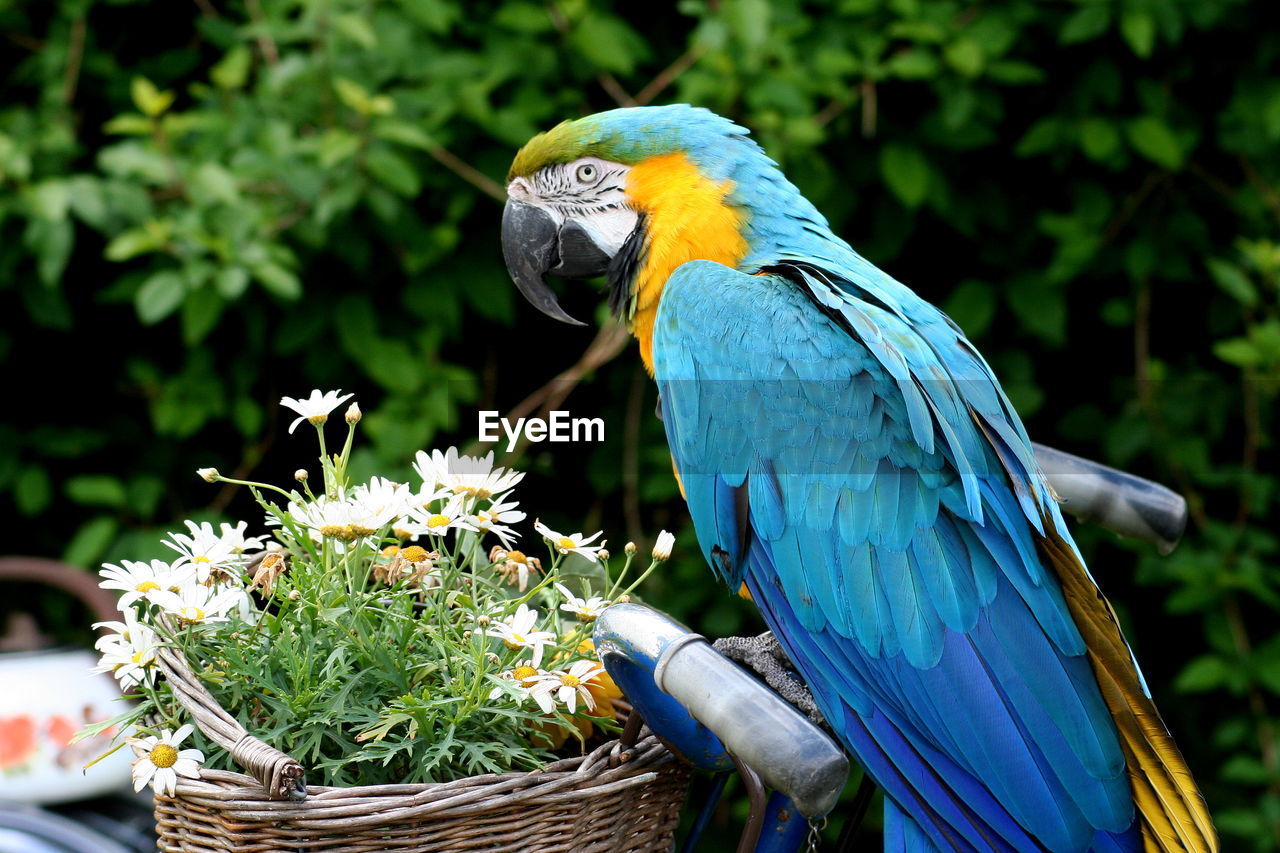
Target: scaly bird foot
pixel 764 656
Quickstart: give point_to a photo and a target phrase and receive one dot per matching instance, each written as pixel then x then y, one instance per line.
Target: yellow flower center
pixel 333 530
pixel 163 755
pixel 201 559
pixel 147 586
pixel 438 520
pixel 474 491
pixel 355 531
pixel 414 553
pixel 517 557
pixel 523 674
pixel 566 542
pixel 191 614
pixel 137 656
pixel 570 680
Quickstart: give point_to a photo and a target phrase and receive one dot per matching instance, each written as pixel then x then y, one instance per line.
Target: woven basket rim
pixel 612 748
pixel 608 768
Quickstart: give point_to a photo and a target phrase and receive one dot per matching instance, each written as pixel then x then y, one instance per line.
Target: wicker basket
pixel 618 798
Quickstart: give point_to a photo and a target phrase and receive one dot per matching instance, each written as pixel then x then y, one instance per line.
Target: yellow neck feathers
pixel 688 220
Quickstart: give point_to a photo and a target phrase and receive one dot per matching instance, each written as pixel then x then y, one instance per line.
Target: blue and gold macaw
pixel 850 458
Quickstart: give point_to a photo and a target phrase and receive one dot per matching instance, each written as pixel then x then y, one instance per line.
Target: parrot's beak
pixel 533 245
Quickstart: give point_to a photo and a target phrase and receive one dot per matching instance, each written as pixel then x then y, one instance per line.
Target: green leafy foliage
pixel 368 662
pixel 204 205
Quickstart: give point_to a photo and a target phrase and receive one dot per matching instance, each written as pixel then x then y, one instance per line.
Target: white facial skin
pixel 590 191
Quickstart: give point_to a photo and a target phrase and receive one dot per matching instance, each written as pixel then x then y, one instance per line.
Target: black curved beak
pixel 533 245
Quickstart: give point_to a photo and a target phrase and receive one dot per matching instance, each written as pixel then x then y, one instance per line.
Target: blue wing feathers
pixel 868 607
pixel 902 834
pixel 892 549
pixel 766 504
pixel 1045 600
pixel 949 587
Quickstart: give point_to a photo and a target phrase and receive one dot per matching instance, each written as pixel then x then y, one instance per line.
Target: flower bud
pixel 630 549
pixel 294 595
pixel 209 475
pixel 602 555
pixel 354 414
pixel 300 475
pixel 662 548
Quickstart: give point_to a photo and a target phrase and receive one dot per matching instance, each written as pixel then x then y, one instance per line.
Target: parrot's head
pixel 629 194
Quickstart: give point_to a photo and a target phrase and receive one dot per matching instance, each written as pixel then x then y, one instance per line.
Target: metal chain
pixel 814 841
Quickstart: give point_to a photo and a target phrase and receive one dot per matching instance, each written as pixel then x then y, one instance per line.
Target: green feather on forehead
pixel 624 136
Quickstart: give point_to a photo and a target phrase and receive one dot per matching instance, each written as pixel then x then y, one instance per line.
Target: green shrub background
pixel 205 205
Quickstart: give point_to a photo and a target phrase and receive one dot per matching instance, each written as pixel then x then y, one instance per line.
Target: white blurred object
pixel 47 695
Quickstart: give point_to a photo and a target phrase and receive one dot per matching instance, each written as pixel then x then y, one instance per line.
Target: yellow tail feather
pixel 1171 810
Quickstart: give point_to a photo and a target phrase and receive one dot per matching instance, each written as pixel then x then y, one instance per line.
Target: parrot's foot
pixel 764 656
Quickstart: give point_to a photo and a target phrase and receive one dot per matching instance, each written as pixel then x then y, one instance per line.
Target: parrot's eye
pixel 586 173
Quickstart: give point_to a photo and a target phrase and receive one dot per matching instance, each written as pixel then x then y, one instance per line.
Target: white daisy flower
pixel 315 408
pixel 464 475
pixel 497 519
pixel 130 653
pixel 523 675
pixel 198 604
pixel 144 581
pixel 160 762
pixel 517 632
pixel 129 630
pixel 662 548
pixel 425 501
pixel 587 610
pixel 376 504
pixel 574 544
pixel 235 539
pixel 210 552
pixel 452 516
pixel 427 495
pixel 568 685
pixel 325 517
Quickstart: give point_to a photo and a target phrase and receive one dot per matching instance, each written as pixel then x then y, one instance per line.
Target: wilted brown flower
pixel 272 565
pixel 413 564
pixel 514 567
